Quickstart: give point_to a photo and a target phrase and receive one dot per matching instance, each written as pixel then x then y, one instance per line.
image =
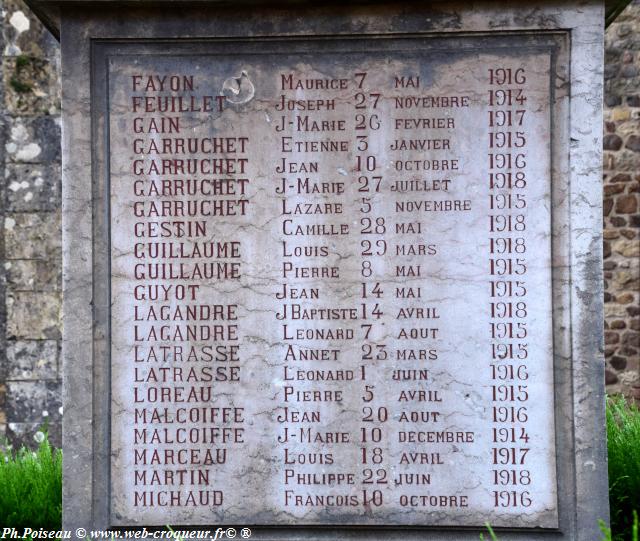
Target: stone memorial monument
pixel 333 271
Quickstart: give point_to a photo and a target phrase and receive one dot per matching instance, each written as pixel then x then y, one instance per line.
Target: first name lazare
pixel 311 208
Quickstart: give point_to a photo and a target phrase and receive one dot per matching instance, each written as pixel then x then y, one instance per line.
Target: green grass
pixel 623 433
pixel 608 534
pixel 31 488
pixel 491 533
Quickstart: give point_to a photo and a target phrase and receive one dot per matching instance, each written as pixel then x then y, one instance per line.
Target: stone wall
pixel 30 322
pixel 30 245
pixel 621 202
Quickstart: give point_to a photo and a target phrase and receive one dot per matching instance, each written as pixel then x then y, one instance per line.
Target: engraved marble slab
pixel 331 285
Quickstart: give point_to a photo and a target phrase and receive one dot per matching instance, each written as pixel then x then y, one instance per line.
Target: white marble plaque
pixel 331 286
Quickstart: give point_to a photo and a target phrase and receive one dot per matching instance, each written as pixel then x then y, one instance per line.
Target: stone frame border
pixel 577 267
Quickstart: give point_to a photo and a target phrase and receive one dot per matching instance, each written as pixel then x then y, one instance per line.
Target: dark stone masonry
pixel 30 248
pixel 621 203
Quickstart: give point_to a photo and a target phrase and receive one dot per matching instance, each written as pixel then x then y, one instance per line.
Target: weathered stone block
pixel 628 351
pixel 21 434
pixel 628 71
pixel 32 236
pixel 32 359
pixel 610 377
pixel 30 86
pixel 620 177
pixel 611 55
pixel 613 189
pixel 23 34
pixel 618 221
pixel 33 139
pixel 612 100
pixel 624 29
pixel 611 337
pixel 620 114
pixel 33 401
pixel 33 315
pixel 33 187
pixel 628 379
pixel 633 142
pixel 608 206
pixel 627 248
pixel 611 70
pixel 624 279
pixel 625 298
pixel 614 310
pixel 627 160
pixel 631 338
pixel 627 128
pixel 626 204
pixel 633 101
pixel 618 363
pixel 34 274
pixel 612 141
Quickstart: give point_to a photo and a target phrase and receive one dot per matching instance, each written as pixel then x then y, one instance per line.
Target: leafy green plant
pixel 608 535
pixel 623 433
pixel 22 61
pixel 31 487
pixel 605 531
pixel 16 82
pixel 176 537
pixel 491 533
pixel 19 86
